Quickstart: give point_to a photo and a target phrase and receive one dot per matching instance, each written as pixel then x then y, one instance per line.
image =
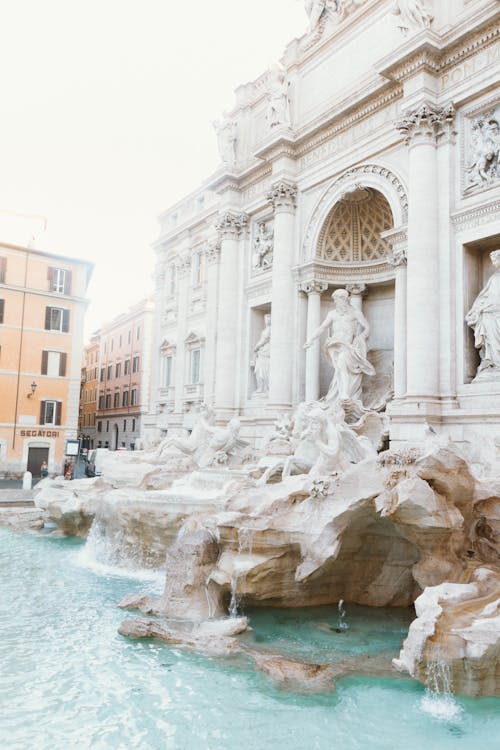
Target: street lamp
pixel 34 386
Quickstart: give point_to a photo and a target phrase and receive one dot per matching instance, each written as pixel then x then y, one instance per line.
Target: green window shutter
pixel 58 412
pixel 42 412
pixel 45 361
pixel 47 318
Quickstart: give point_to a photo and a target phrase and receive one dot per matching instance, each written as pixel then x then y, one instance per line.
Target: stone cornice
pixel 343 273
pixel 476 216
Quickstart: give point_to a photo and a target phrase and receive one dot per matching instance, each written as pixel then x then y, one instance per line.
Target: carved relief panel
pixel 481 150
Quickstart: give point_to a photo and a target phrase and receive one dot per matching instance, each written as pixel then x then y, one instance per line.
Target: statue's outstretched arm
pixel 317 333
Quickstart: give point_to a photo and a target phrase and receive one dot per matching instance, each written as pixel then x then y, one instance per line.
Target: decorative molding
pixel 337 274
pixel 426 124
pixel 211 251
pixel 183 266
pixel 477 216
pixel 283 196
pixel 356 290
pixel 230 224
pixel 399 257
pixel 313 287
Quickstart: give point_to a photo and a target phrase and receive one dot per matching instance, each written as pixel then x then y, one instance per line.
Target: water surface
pixel 68 680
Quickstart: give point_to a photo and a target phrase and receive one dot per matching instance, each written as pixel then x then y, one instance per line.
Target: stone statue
pixel 263 247
pixel 412 13
pixel 486 150
pixel 346 347
pixel 484 318
pixel 192 445
pixel 315 10
pixel 278 103
pixel 227 134
pixel 342 446
pixel 261 363
pixel 222 443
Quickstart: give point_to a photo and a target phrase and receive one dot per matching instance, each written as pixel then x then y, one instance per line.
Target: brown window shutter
pixel 2 303
pixel 62 364
pixel 50 277
pixel 3 266
pixel 65 325
pixel 47 318
pixel 45 360
pixel 58 412
pixel 67 282
pixel 42 412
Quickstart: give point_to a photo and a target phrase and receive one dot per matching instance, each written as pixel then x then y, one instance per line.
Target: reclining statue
pixel 195 443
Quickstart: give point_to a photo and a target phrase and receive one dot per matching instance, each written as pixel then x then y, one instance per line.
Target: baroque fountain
pixel 322 515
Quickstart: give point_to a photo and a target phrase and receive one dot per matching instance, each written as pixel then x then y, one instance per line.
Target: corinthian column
pixel 313 289
pixel 230 226
pixel 282 197
pixel 421 129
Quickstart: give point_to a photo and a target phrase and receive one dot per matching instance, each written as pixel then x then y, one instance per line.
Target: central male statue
pixel 346 346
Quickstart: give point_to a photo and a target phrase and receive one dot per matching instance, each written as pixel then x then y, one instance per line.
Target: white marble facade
pixel 366 160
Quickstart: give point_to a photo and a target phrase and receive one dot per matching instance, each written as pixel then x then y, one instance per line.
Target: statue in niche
pixel 227 134
pixel 346 347
pixel 278 103
pixel 484 319
pixel 263 246
pixel 191 445
pixel 261 363
pixel 486 150
pixel 412 13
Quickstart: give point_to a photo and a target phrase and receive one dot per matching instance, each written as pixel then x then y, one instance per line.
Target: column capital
pixel 283 196
pixel 313 287
pixel 231 224
pixel 183 266
pixel 356 290
pixel 427 123
pixel 212 250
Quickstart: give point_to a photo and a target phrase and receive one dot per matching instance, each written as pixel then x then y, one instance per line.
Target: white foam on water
pixel 440 707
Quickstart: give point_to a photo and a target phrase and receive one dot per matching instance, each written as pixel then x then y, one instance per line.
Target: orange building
pixel 42 307
pixel 89 392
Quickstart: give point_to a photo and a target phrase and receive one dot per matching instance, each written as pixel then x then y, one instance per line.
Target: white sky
pixel 105 117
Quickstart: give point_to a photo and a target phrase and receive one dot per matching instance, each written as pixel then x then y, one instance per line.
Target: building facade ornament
pixel 412 14
pixel 261 363
pixel 322 11
pixel 426 124
pixel 263 246
pixel 313 287
pixel 483 167
pixel 484 319
pixel 231 224
pixel 183 266
pixel 357 290
pixel 283 196
pixel 399 257
pixel 212 251
pixel 278 99
pixel 227 137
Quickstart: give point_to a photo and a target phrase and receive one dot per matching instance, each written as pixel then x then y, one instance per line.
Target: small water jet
pixel 342 625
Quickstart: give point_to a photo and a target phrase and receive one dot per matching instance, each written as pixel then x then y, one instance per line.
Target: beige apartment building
pixel 116 371
pixel 42 307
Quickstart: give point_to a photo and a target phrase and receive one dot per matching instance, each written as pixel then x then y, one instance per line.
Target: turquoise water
pixel 68 680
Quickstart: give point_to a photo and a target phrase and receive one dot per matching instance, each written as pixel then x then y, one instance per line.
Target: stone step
pixel 16 504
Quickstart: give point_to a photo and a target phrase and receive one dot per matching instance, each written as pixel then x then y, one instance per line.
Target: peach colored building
pixel 42 307
pixel 88 393
pixel 124 364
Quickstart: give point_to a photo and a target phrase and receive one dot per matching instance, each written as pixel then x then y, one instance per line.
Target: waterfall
pixel 438 699
pixel 235 600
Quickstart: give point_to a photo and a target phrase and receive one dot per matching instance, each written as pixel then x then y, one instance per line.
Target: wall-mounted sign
pixel 39 433
pixel 72 447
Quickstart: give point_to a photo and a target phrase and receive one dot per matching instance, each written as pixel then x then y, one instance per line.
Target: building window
pixel 59 280
pixel 133 425
pixel 110 372
pixel 195 366
pixel 167 362
pixel 126 367
pixel 108 400
pixel 197 269
pixel 172 277
pixel 54 364
pixel 125 398
pixel 103 374
pixel 56 319
pixel 116 400
pixel 50 412
pixel 101 402
pixel 3 270
pixel 99 426
pixel 133 397
pixel 118 369
pixel 124 425
pixel 135 364
pixel 2 307
pixel 138 333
